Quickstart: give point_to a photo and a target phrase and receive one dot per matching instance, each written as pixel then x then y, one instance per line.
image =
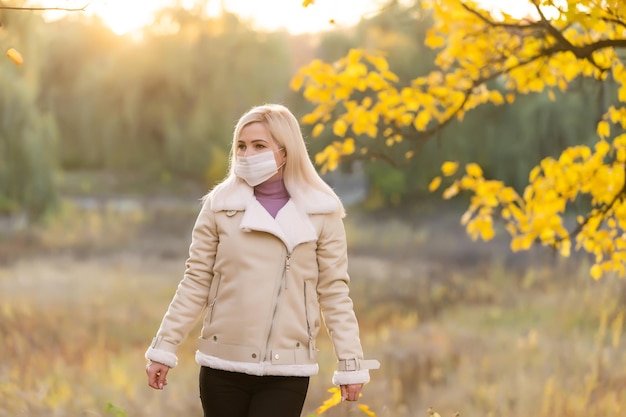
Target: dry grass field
pixel 458 326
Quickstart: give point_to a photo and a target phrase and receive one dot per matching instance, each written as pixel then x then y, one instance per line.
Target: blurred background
pixel 120 120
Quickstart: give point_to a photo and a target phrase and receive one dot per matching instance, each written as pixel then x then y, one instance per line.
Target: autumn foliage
pixel 489 56
pixel 15 56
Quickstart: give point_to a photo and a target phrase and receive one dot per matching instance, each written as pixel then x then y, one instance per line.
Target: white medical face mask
pixel 257 168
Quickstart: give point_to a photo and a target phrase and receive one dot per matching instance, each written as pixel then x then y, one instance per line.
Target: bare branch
pixel 528 25
pixel 373 156
pixel 33 9
pixel 615 21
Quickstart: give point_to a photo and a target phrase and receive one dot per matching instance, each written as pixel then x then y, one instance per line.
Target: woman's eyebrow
pixel 254 140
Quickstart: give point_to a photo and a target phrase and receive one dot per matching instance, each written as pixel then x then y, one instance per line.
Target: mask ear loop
pixel 285 161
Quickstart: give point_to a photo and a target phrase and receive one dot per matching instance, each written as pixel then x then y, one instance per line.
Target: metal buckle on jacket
pixel 350 365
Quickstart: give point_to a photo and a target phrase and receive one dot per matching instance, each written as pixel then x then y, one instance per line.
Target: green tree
pixel 165 104
pixel 28 135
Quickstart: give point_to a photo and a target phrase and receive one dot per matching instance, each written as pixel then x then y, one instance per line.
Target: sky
pixel 126 16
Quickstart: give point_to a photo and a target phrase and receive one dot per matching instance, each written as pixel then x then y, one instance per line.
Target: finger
pixel 353 392
pixel 162 380
pixel 157 375
pixel 344 392
pixel 153 379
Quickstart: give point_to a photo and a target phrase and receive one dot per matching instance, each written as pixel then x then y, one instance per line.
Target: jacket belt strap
pixel 357 364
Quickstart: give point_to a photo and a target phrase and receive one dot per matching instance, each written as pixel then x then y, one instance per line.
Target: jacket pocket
pixel 213 292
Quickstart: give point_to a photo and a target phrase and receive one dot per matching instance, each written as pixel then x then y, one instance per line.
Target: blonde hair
pixel 298 171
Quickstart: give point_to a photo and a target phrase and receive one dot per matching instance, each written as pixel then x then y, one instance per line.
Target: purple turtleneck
pixel 272 195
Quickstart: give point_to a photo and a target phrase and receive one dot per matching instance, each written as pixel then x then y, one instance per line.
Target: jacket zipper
pixel 308 324
pixel 283 282
pixel 287 266
pixel 214 300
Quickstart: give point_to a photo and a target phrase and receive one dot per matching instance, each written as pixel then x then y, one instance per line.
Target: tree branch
pixel 373 156
pixel 528 25
pixel 421 137
pixel 563 44
pixel 602 211
pixel 33 9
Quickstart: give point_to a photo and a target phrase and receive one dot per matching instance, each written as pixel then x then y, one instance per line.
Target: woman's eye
pixel 260 146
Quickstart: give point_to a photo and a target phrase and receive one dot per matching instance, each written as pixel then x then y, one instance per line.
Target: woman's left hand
pixel 351 392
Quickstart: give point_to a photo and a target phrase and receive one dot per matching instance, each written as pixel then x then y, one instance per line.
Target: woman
pixel 268 253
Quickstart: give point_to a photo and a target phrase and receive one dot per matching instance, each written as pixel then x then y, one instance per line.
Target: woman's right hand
pixel 157 374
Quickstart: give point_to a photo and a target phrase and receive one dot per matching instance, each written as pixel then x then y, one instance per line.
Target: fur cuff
pixel 162 356
pixel 351 377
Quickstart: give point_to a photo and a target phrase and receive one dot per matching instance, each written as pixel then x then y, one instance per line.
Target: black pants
pixel 233 394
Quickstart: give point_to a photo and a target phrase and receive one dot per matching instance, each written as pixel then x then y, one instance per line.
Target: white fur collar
pixel 291 225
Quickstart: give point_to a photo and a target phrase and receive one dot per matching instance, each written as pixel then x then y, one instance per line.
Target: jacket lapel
pixel 296 225
pixel 290 225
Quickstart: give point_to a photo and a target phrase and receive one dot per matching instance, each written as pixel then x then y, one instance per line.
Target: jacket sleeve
pixel 192 292
pixel 336 304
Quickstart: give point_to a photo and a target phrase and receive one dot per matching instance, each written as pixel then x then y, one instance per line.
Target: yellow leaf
pixel 367 410
pixel 317 130
pixel 486 231
pixel 596 272
pixel 523 242
pixel 310 118
pixel 449 168
pixel 621 94
pixel 296 82
pixel 566 248
pixel 307 3
pixel 390 76
pixel 433 41
pixel 507 195
pixel 434 184
pixel 422 120
pixel 339 127
pixel 15 56
pixel 348 147
pixel 468 183
pixel 331 402
pixel 603 129
pixel 474 170
pixel 534 173
pixel 379 62
pixel 451 191
pixel 602 148
pixel 466 217
pixel 496 97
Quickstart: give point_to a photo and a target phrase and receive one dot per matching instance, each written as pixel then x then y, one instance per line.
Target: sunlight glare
pixel 124 16
pixel 130 16
pixel 293 17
